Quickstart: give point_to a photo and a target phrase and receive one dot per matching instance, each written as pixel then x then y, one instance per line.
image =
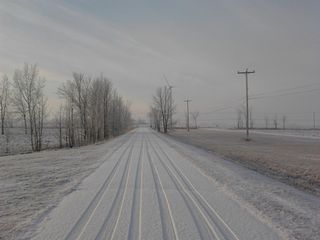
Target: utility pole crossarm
pixel 246 72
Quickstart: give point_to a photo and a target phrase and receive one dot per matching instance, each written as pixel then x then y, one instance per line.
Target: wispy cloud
pixel 199 46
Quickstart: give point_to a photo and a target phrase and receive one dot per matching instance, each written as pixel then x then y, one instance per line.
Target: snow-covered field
pixel 312 133
pixel 147 186
pixel 301 133
pixel 16 141
pixel 282 155
pixel 296 213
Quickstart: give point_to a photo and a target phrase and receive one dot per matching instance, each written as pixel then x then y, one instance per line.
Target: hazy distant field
pixel 292 156
pixel 305 133
pixel 16 141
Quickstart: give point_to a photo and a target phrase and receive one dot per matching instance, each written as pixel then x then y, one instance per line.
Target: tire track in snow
pixel 109 225
pixel 81 224
pixel 225 231
pixel 206 230
pixel 165 212
pixel 136 208
pixel 141 201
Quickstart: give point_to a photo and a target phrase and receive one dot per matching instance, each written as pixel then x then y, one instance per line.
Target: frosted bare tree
pixel 195 116
pixel 107 90
pixel 30 101
pixel 284 119
pixel 82 87
pixel 39 115
pixel 275 122
pixel 155 118
pixel 239 118
pixel 115 113
pixel 76 93
pixel 242 117
pixel 58 121
pixel 251 121
pixel 4 100
pixel 96 110
pixel 18 100
pixel 162 102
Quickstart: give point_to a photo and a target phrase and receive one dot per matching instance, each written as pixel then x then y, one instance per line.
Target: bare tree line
pixel 275 122
pixel 4 97
pixel 92 110
pixel 269 122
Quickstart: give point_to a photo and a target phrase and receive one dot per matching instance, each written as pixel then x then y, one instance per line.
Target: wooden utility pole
pixel 187 101
pixel 247 100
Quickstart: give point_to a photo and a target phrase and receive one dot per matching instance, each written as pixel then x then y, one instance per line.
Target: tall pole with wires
pixel 247 100
pixel 187 101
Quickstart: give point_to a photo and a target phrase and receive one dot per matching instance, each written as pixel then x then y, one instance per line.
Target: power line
pixel 218 110
pixel 285 94
pixel 222 108
pixel 285 89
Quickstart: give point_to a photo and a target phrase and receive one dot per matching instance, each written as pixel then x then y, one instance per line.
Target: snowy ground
pixel 313 134
pixel 145 185
pixel 148 186
pixel 147 190
pixel 32 184
pixel 281 154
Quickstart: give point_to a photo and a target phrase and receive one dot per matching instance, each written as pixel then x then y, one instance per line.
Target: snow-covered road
pixel 146 189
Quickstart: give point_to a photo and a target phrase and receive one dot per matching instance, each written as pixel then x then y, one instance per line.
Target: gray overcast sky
pixel 198 45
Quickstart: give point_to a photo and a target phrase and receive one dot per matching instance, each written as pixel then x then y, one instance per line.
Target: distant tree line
pixel 92 110
pixel 269 123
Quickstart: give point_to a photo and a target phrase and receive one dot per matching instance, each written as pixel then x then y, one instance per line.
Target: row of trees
pixel 92 109
pixel 269 122
pixel 25 95
pixel 274 122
